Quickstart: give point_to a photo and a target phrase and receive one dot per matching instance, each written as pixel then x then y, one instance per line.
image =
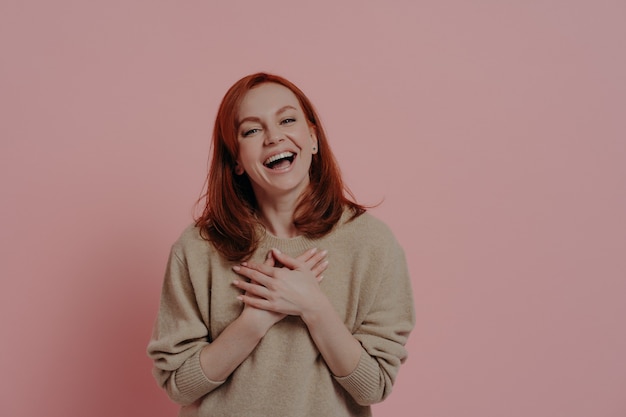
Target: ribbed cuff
pixel 364 383
pixel 192 383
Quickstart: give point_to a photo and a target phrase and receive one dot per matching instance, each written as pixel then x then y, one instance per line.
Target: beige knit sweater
pixel 285 376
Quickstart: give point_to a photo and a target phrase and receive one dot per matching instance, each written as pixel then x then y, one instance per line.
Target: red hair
pixel 229 217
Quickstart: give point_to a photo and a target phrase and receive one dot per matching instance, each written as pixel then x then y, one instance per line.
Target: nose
pixel 274 136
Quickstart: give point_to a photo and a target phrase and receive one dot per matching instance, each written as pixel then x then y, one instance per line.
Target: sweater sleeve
pixel 178 336
pixel 385 328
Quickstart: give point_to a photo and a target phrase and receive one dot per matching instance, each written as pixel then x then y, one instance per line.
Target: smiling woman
pixel 285 297
pixel 276 145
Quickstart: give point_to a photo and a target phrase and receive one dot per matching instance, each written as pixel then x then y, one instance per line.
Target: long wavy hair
pixel 229 219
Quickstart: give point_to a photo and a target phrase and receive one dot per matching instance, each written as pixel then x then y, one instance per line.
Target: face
pixel 276 142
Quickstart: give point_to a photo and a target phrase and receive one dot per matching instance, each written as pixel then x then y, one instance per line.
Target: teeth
pixel 277 157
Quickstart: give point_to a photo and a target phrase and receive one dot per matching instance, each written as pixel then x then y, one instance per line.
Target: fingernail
pixel 276 250
pixel 313 251
pixel 236 267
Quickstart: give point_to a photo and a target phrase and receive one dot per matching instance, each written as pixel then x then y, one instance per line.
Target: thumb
pixel 285 259
pixel 269 261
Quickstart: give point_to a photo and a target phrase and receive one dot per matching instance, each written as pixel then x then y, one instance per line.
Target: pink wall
pixel 494 130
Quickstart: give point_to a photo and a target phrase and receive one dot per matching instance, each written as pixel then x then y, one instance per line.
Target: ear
pixel 238 169
pixel 314 142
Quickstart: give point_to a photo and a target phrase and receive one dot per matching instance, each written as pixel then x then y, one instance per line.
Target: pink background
pixel 494 131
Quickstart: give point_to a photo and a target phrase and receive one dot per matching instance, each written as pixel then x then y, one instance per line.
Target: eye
pixel 249 132
pixel 288 121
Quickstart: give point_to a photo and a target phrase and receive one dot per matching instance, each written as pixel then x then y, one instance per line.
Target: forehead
pixel 267 99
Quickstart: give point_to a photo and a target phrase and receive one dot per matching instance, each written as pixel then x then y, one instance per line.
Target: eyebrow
pixel 256 119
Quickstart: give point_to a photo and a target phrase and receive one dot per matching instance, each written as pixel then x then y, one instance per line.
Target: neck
pixel 277 216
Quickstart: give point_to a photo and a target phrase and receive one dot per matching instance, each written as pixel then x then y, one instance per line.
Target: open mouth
pixel 280 161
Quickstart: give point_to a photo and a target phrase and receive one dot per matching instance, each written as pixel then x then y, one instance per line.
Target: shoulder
pixel 366 226
pixel 366 234
pixel 191 243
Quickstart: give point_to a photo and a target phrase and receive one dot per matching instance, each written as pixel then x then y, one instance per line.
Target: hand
pixel 291 289
pixel 264 319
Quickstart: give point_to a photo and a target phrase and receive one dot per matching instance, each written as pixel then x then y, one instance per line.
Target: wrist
pixel 253 324
pixel 316 313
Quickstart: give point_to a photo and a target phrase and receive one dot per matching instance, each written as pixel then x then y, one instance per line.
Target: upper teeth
pixel 277 157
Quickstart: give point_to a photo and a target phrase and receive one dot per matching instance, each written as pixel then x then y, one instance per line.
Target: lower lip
pixel 283 170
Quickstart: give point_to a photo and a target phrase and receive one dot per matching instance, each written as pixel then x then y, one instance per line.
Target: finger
pixel 251 289
pixel 318 269
pixel 286 260
pixel 306 255
pixel 263 268
pixel 256 302
pixel 316 259
pixel 253 274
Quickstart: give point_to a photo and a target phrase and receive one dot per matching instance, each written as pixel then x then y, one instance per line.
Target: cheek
pixel 247 155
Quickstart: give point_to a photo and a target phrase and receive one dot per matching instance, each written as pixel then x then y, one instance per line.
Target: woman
pixel 285 298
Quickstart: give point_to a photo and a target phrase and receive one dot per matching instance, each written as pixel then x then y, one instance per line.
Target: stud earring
pixel 315 149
